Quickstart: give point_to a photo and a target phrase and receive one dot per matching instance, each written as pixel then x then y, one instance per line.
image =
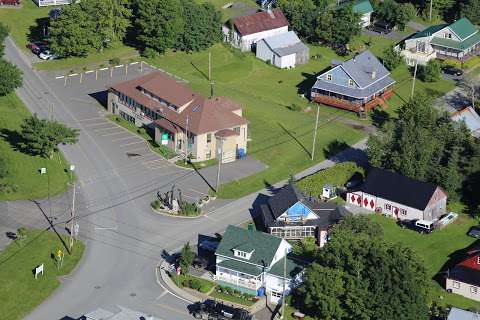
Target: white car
pixel 47 55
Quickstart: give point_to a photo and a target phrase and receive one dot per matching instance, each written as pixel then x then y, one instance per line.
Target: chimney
pixel 374 74
pixel 251 227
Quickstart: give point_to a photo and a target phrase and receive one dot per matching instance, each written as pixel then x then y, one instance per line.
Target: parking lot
pixel 148 172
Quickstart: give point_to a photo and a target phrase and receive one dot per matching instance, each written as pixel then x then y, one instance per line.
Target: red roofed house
pixel 172 112
pixel 248 30
pixel 464 278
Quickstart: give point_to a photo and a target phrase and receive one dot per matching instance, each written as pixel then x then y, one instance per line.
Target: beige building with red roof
pixel 171 112
pixel 249 29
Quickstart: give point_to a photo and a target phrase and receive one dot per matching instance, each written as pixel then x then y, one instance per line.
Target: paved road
pixel 124 238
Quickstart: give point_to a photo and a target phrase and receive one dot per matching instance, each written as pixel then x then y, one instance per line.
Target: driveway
pixel 125 239
pixel 457 99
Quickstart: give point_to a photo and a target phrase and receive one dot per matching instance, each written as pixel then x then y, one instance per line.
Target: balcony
pixel 353 106
pixel 251 284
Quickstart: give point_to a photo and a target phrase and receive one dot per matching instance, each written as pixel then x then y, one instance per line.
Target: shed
pixel 284 50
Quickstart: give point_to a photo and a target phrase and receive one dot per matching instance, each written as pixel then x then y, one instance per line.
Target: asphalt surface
pixel 125 239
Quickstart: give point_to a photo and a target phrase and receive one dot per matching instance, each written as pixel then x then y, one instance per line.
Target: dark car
pixel 452 71
pixel 381 27
pixel 37 47
pixel 212 310
pixel 474 232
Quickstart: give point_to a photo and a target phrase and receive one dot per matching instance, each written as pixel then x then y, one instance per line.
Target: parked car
pixel 37 47
pixel 474 232
pixel 47 55
pixel 212 310
pixel 9 2
pixel 381 27
pixel 451 70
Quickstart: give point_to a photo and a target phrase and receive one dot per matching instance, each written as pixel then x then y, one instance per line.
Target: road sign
pixel 164 138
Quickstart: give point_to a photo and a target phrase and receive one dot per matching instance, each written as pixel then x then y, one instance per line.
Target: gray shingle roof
pixel 360 68
pixel 285 44
pixel 265 245
pixel 354 92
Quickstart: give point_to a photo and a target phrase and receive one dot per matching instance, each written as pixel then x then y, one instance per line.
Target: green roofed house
pixel 365 9
pixel 256 263
pixel 459 40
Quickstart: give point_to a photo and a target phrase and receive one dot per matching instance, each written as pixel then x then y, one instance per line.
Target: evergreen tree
pixel 391 58
pixel 337 27
pixel 186 258
pixel 302 16
pixel 471 10
pixel 4 31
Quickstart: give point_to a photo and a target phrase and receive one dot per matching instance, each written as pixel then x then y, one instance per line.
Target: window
pixel 209 137
pixel 208 155
pixel 456 285
pixel 329 77
pixel 403 212
pixel 276 294
pixel 240 254
pixel 473 290
pixel 350 82
pixel 388 207
pixel 478 260
pixel 237 130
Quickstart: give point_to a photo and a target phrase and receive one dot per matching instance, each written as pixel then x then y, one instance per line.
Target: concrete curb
pixel 177 216
pixel 172 287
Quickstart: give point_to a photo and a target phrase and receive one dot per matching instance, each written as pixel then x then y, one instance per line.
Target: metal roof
pixel 463 28
pixel 459 314
pixel 285 44
pixel 354 92
pixel 362 6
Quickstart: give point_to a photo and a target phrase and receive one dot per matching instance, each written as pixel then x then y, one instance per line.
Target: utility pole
pixel 186 142
pixel 430 14
pixel 209 66
pixel 220 158
pixel 315 133
pixel 284 283
pixel 414 77
pixel 72 218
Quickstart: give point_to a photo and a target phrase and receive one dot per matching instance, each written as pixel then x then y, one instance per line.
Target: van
pixel 424 226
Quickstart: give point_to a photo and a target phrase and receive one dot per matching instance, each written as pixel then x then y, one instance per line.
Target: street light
pixel 220 157
pixel 72 212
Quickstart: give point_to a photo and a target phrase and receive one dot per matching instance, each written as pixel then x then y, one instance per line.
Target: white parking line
pixel 129 144
pixel 102 69
pixel 105 129
pixel 112 134
pixel 73 75
pixel 96 124
pixel 125 138
pixel 90 119
pixel 60 77
pixel 132 63
pixel 119 66
pixel 89 71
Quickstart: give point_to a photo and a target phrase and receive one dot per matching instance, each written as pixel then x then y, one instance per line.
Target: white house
pixel 248 30
pixel 284 50
pixel 398 196
pixel 365 9
pixel 459 40
pixel 464 277
pixel 256 263
pixel 44 3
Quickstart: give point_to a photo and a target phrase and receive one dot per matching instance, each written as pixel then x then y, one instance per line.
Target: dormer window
pixel 350 82
pixel 242 254
pixel 329 77
pixel 448 35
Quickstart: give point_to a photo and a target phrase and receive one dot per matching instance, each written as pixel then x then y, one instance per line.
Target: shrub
pixel 391 58
pixel 228 290
pixel 195 284
pixel 204 289
pixel 189 209
pixel 141 131
pixel 155 204
pixel 268 62
pixel 431 72
pixel 149 53
pixel 294 107
pixel 114 61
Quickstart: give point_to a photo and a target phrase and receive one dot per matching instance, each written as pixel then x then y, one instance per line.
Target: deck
pixel 355 107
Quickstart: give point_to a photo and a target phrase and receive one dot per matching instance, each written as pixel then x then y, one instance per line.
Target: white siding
pixel 365 19
pixel 463 289
pixel 284 246
pixel 244 43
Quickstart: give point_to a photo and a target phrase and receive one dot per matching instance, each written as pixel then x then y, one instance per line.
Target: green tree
pixel 186 258
pixel 202 26
pixel 431 72
pixel 426 146
pixel 395 13
pixel 3 168
pixel 10 77
pixel 359 275
pixel 73 33
pixel 42 136
pixel 4 31
pixel 391 58
pixel 302 16
pixel 336 27
pixel 112 18
pixel 471 10
pixel 159 23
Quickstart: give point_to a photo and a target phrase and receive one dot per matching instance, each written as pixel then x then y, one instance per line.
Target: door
pixel 275 297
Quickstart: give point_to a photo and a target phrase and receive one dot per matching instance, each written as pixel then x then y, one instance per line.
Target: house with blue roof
pixel 257 263
pixel 283 50
pixel 459 40
pixel 359 84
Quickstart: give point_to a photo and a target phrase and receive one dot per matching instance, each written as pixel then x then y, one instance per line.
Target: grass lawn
pixel 24 168
pixel 20 293
pixel 435 249
pixel 185 280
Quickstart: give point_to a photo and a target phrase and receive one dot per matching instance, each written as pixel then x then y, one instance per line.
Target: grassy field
pixel 436 250
pixel 24 168
pixel 20 292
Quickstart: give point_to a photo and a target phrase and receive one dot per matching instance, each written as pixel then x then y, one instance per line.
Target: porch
pixel 351 104
pixel 238 279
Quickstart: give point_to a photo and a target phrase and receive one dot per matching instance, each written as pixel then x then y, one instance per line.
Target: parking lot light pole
pixel 220 157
